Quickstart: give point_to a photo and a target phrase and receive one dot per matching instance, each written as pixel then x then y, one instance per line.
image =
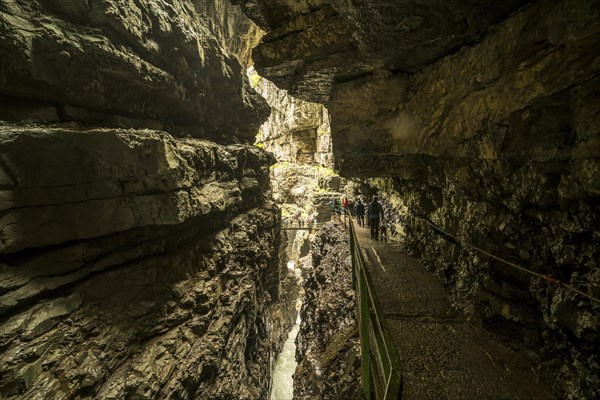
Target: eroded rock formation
pixel 172 66
pixel 481 117
pixel 313 45
pixel 328 350
pixel 304 185
pixel 297 131
pixel 140 253
pixel 135 264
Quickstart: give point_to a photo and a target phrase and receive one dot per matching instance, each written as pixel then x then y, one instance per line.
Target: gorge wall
pixel 483 119
pixel 297 131
pixel 139 248
pixel 328 346
pixel 298 134
pixel 175 66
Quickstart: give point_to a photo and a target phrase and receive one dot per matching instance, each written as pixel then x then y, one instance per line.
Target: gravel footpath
pixel 443 357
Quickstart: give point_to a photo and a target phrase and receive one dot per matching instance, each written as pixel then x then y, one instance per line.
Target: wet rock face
pixel 150 64
pixel 108 181
pixel 297 133
pixel 140 254
pixel 328 350
pixel 548 322
pixel 497 100
pixel 509 162
pixel 136 265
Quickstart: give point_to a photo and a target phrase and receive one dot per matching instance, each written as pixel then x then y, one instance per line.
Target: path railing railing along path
pixel 303 227
pixel 547 278
pixel 381 369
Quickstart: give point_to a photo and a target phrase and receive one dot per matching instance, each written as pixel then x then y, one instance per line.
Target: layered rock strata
pixel 305 194
pixel 298 134
pixel 140 253
pixel 327 346
pixel 175 66
pixel 297 131
pixel 547 321
pixel 484 124
pixel 135 265
pixel 311 46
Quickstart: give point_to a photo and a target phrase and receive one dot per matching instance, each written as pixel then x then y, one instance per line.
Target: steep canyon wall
pixel 175 66
pixel 139 248
pixel 298 134
pixel 296 131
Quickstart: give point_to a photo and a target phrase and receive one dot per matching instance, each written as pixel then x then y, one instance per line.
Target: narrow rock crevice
pixel 163 167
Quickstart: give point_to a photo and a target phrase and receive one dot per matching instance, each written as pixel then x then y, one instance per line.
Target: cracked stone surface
pixel 143 266
pixel 327 346
pixel 141 256
pixel 178 66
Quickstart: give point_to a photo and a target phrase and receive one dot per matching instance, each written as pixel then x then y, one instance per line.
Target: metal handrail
pixel 306 227
pixel 381 370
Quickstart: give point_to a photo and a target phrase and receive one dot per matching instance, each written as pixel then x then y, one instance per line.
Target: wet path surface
pixel 443 357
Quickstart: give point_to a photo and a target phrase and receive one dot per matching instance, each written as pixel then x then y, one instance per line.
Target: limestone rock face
pixel 491 101
pixel 108 181
pixel 483 119
pixel 150 64
pixel 296 131
pixel 298 134
pixel 136 265
pixel 313 45
pixel 328 350
pixel 140 253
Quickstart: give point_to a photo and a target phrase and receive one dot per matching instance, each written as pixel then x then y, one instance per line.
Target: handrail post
pixel 352 256
pixel 365 352
pixel 363 313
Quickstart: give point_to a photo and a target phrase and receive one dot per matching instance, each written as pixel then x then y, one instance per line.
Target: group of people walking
pixel 374 213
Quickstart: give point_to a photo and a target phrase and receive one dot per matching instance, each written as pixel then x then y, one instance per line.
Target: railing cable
pixel 547 278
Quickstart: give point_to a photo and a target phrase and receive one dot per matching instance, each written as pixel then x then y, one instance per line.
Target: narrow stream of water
pixel 283 385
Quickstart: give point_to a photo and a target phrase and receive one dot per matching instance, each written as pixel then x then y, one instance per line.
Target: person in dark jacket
pixel 375 216
pixel 338 206
pixel 359 210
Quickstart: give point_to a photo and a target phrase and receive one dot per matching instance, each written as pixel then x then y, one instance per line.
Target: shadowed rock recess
pixel 139 248
pixel 482 117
